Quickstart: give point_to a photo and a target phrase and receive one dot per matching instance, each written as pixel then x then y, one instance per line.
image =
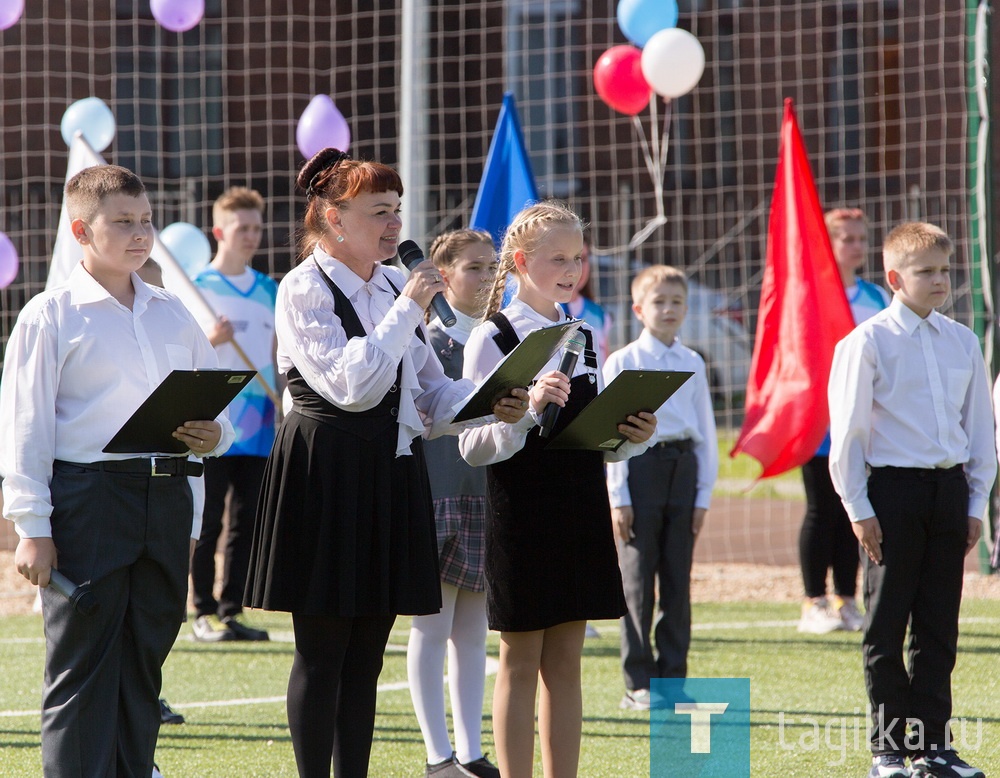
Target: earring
pixel 340 239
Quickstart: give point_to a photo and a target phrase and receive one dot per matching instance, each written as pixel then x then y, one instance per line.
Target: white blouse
pixel 355 374
pixel 497 441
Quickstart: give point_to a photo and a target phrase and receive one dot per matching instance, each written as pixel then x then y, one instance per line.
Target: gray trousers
pixel 663 484
pixel 128 535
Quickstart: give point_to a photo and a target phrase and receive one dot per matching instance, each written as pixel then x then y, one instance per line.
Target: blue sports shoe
pixel 889 766
pixel 944 764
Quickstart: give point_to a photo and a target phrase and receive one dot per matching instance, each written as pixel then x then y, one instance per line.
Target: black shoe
pixel 168 715
pixel 944 764
pixel 242 631
pixel 482 767
pixel 449 768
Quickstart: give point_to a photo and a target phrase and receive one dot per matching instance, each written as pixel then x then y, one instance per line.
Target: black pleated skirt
pixel 344 527
pixel 551 556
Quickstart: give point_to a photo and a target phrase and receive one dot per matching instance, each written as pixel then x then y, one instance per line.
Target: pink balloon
pixel 177 15
pixel 10 12
pixel 8 261
pixel 321 125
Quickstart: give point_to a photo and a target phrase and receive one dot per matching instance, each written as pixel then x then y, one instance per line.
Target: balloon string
pixel 667 116
pixel 644 145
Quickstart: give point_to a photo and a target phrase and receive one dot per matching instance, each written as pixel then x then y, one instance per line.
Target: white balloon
pixel 93 118
pixel 188 245
pixel 672 62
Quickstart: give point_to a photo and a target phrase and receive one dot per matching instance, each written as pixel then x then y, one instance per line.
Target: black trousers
pixel 663 484
pixel 239 477
pixel 331 692
pixel 924 520
pixel 127 535
pixel 826 539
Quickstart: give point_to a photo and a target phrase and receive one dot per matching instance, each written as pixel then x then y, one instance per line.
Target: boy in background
pixel 81 359
pixel 659 499
pixel 913 459
pixel 244 300
pixel 826 541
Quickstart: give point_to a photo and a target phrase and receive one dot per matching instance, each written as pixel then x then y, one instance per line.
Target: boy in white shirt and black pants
pixel 80 360
pixel 913 460
pixel 659 498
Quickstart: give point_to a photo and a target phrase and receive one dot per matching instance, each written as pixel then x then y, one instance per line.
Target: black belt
pixel 924 473
pixel 151 466
pixel 684 445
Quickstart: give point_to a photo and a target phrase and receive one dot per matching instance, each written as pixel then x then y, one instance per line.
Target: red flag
pixel 803 314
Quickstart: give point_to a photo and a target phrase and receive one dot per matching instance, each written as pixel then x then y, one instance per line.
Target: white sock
pixel 467 673
pixel 425 671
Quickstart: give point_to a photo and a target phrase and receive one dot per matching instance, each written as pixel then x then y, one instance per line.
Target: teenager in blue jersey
pixel 244 300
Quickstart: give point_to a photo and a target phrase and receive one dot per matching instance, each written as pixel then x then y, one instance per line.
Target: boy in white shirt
pixel 659 499
pixel 913 460
pixel 80 360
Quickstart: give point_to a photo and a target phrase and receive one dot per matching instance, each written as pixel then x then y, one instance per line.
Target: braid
pixel 495 299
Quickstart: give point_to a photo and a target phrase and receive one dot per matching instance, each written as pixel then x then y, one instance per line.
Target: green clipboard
pixel 596 427
pixel 518 368
pixel 184 395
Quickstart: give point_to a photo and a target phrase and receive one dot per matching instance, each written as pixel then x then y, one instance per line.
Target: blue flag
pixel 507 184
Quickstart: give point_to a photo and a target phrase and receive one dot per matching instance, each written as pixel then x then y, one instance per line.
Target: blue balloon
pixel 91 117
pixel 640 20
pixel 188 245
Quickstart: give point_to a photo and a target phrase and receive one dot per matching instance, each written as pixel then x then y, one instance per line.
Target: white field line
pixel 491 664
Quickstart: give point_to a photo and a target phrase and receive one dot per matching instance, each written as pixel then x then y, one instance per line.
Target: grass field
pixel 807 699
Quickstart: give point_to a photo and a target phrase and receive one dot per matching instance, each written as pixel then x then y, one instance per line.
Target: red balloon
pixel 619 80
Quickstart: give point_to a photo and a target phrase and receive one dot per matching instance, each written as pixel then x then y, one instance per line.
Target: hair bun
pixel 320 161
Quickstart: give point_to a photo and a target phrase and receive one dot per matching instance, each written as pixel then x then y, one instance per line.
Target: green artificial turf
pixel 807 699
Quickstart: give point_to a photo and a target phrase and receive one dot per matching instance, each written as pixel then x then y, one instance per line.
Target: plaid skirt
pixel 461 540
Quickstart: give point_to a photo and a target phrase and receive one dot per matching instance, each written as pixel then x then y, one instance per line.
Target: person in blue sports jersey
pixel 826 540
pixel 244 300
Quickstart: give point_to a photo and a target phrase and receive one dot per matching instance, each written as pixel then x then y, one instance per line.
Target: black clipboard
pixel 184 395
pixel 596 426
pixel 518 368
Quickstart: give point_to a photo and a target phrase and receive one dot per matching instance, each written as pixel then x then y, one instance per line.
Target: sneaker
pixel 851 619
pixel 637 699
pixel 888 766
pixel 482 767
pixel 944 764
pixel 210 629
pixel 817 618
pixel 242 631
pixel 168 715
pixel 449 768
pixel 591 631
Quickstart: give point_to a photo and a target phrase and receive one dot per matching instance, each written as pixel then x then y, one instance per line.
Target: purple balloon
pixel 177 15
pixel 321 125
pixel 8 261
pixel 10 12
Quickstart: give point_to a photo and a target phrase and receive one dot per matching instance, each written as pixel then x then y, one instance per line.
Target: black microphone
pixel 573 350
pixel 411 255
pixel 80 597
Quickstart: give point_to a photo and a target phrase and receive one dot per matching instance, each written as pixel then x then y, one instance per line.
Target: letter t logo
pixel 701 722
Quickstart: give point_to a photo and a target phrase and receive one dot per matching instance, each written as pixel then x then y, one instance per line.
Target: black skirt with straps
pixel 344 527
pixel 550 547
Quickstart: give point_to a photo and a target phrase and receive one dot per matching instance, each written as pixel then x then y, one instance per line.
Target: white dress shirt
pixel 909 392
pixel 77 365
pixel 497 441
pixel 686 414
pixel 355 374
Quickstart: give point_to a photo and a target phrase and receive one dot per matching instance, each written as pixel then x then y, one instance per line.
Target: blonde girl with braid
pixel 551 561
